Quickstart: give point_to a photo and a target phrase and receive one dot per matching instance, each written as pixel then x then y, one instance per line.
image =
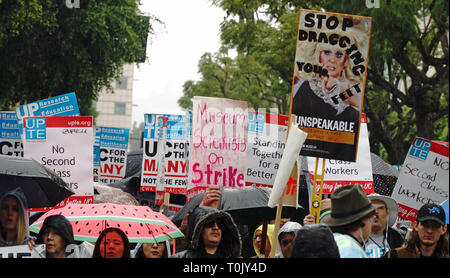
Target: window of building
pixel 120 108
pixel 121 83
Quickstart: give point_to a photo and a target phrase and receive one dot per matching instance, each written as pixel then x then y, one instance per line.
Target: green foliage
pixel 47 49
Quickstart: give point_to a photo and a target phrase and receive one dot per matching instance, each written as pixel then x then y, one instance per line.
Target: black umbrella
pixel 42 186
pixel 246 206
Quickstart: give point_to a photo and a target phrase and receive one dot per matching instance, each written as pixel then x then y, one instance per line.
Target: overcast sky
pixel 191 29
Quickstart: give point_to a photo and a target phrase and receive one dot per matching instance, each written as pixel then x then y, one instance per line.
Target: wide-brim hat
pixel 349 204
pixel 391 206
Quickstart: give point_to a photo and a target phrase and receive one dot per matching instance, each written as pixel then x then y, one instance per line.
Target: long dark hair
pixel 441 249
pixel 126 243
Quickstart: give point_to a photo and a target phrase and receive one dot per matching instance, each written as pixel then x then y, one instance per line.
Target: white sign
pixel 22 251
pixel 175 169
pixel 64 145
pixel 339 173
pixel 266 141
pixel 423 177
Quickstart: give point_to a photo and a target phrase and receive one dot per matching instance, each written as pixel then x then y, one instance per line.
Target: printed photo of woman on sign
pixel 329 82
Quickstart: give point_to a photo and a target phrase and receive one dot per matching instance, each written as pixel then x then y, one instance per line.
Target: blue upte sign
pixel 35 129
pixel 420 149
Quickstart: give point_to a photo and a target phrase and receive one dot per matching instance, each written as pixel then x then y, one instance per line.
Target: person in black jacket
pixel 56 233
pixel 384 236
pixel 212 234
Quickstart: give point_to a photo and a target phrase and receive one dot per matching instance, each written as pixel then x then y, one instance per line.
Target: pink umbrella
pixel 140 223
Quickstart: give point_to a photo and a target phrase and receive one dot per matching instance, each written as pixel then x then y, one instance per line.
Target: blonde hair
pixel 309 51
pixel 21 228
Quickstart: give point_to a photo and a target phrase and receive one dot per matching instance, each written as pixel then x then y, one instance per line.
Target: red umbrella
pixel 140 223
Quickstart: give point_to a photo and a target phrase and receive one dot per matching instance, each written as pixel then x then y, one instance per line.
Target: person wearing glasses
pixel 351 219
pixel 214 235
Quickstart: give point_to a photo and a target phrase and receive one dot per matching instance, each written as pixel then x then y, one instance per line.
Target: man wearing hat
pixel 384 235
pixel 351 218
pixel 427 239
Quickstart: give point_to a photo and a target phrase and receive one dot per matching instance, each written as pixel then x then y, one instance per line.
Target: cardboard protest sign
pixel 175 160
pixel 266 141
pixel 113 153
pixel 22 252
pixel 62 105
pixel 329 82
pixel 64 145
pixel 219 144
pixel 423 178
pixel 10 142
pixel 340 173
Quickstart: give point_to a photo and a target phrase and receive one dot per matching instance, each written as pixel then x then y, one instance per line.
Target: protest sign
pixel 10 142
pixel 423 177
pixel 64 145
pixel 96 154
pixel 62 105
pixel 329 82
pixel 339 173
pixel 294 144
pixel 219 144
pixel 113 153
pixel 22 252
pixel 266 141
pixel 175 156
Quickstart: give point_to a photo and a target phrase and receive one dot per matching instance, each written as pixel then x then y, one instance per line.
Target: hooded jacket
pixel 61 224
pixel 230 245
pixel 20 196
pixel 288 227
pixel 314 241
pixel 270 232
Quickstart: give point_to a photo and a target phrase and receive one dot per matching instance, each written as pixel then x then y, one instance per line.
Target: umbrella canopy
pixel 139 223
pixel 108 194
pixel 444 205
pixel 384 175
pixel 42 186
pixel 247 205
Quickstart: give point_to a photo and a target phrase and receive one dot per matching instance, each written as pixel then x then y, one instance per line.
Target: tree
pixel 47 48
pixel 407 77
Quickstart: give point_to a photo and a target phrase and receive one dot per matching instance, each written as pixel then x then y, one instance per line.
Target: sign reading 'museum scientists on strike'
pixel 423 178
pixel 329 82
pixel 64 145
pixel 219 144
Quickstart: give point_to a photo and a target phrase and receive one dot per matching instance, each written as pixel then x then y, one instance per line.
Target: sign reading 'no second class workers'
pixel 64 145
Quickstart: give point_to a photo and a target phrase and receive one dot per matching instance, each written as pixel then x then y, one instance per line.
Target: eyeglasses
pixel 211 223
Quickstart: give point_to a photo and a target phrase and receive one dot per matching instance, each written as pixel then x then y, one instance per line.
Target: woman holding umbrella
pixel 14 222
